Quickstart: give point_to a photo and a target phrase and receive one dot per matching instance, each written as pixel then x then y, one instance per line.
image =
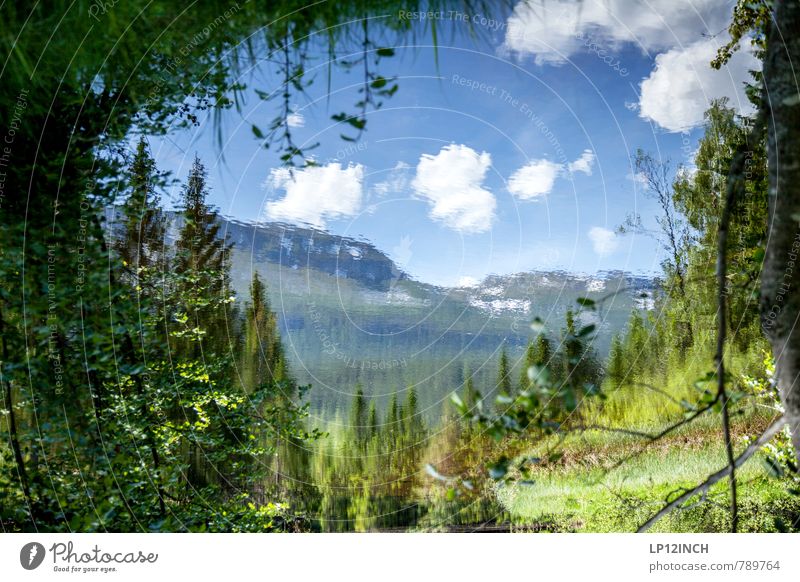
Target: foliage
pixel 779 454
pixel 367 474
pixel 550 402
pixel 161 438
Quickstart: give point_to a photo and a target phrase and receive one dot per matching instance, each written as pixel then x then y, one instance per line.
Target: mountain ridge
pixel 349 315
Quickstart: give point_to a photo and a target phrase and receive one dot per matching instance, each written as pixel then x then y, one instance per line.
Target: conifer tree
pixel 504 373
pixel 203 266
pixel 202 336
pixel 544 351
pixel 539 354
pixel 392 414
pixel 373 420
pixel 579 361
pixel 358 415
pixel 616 362
pixel 469 394
pixel 530 360
pixel 261 357
pixel 140 242
pixel 412 421
pixel 572 348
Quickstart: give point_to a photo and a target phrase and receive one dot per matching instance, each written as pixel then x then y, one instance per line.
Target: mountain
pixel 349 314
pixel 307 248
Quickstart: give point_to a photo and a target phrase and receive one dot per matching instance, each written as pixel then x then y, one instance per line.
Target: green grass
pixel 583 495
pixel 587 491
pixel 651 397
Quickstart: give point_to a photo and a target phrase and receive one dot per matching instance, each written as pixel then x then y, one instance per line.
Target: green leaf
pixel 357 123
pixel 385 52
pixel 585 302
pixel 257 132
pixel 378 83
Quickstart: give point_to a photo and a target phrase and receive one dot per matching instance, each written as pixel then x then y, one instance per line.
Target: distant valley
pixel 349 314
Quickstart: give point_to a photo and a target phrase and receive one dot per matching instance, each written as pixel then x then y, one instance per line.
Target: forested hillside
pixel 620 352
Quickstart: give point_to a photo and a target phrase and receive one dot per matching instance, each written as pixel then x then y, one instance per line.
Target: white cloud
pixel 534 179
pixel 537 177
pixel 637 178
pixel 396 181
pixel 295 119
pixel 686 33
pixel 316 194
pixel 682 85
pixel 553 30
pixel 451 181
pixel 583 164
pixel 604 241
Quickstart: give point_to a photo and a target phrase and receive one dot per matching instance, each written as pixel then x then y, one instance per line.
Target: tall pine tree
pixel 202 263
pixel 504 373
pixel 140 239
pixel 261 359
pixel 358 414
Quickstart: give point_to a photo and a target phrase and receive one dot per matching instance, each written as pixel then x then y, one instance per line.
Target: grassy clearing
pixel 649 398
pixel 582 493
pixel 591 489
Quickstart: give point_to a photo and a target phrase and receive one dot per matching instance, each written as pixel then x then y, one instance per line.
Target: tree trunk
pixel 780 279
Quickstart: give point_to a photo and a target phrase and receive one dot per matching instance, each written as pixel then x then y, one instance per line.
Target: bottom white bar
pixel 356 557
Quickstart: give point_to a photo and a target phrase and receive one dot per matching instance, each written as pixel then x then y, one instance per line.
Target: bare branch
pixel 703 487
pixel 663 433
pixel 614 429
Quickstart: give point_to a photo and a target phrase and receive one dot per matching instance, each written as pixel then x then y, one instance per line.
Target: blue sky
pixel 513 153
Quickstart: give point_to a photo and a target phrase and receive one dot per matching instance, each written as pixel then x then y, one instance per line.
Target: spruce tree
pixel 504 373
pixel 616 362
pixel 469 395
pixel 140 240
pixel 572 348
pixel 544 351
pixel 201 338
pixel 261 356
pixel 202 264
pixel 358 414
pixel 392 414
pixel 373 420
pixel 539 353
pixel 412 421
